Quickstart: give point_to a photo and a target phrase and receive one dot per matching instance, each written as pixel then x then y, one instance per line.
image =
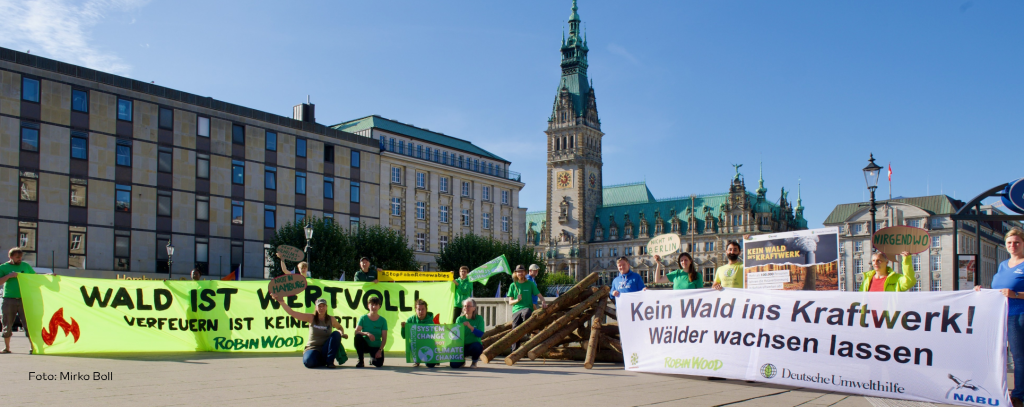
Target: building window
pixel 122 250
pixel 421 180
pixel 396 206
pixel 504 223
pixel 421 242
pixel 476 165
pixel 628 251
pixel 300 147
pixel 421 210
pixel 936 263
pixel 442 213
pixel 708 246
pixel 123 198
pixel 80 103
pixel 124 153
pixel 504 197
pixel 165 119
pixel 419 151
pixel 202 166
pixel 237 212
pixel 613 252
pixel 30 136
pixel 124 110
pixel 203 127
pixel 238 172
pixel 936 285
pixel 27 238
pixel 465 217
pixel 271 140
pixel 353 223
pixel 391 144
pixel 936 241
pixel 79 192
pixel 916 262
pixel 300 183
pixel 203 208
pixel 76 247
pixel 428 154
pixel 328 154
pixel 202 252
pixel 300 215
pixel 598 252
pixel 165 159
pixel 328 188
pixel 858 246
pixel 858 266
pixel 442 183
pixel 856 228
pixel 465 188
pixel 355 159
pixel 442 242
pixel 270 178
pixel 401 147
pixel 237 256
pixel 486 193
pixel 28 186
pixel 437 155
pixel 354 192
pixel 396 175
pixel 915 223
pixel 709 274
pixel 79 145
pixel 936 223
pixel 329 217
pixel 269 216
pixel 486 220
pixel 161 253
pixel 237 134
pixel 444 158
pixel 29 89
pixel 163 203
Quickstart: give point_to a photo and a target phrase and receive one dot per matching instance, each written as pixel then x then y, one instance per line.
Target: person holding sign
pixel 627 281
pixel 422 317
pixel 685 278
pixel 301 268
pixel 324 345
pixel 463 291
pixel 12 308
pixel 371 333
pixel 365 273
pixel 730 275
pixel 520 296
pixel 1009 280
pixel 472 330
pixel 882 278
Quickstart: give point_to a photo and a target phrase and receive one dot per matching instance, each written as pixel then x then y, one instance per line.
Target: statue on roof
pixel 737 167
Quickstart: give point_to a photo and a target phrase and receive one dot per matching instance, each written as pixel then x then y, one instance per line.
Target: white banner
pixel 944 347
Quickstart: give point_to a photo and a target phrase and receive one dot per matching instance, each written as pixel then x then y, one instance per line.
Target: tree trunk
pixel 611 313
pixel 500 329
pixel 605 356
pixel 600 295
pixel 595 333
pixel 556 338
pixel 612 343
pixel 610 329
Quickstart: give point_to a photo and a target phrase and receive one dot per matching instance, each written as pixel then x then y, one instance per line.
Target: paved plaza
pixel 278 379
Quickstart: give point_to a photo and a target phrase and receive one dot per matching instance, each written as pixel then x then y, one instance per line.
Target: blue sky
pixel 684 88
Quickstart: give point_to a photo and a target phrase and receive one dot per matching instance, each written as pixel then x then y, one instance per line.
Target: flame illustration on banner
pixel 57 320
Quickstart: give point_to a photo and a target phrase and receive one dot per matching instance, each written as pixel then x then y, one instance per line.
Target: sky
pixel 684 89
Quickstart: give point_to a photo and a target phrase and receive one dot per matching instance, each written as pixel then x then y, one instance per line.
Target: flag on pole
pixel 497 265
pixel 890 172
pixel 497 294
pixel 229 277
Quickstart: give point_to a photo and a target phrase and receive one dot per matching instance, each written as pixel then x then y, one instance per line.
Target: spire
pixel 574 73
pixel 761 190
pixel 799 202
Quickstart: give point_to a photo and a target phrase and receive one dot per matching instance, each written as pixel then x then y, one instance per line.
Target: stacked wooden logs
pixel 572 327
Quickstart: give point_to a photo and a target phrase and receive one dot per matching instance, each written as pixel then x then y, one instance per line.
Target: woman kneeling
pixel 324 345
pixel 372 334
pixel 472 330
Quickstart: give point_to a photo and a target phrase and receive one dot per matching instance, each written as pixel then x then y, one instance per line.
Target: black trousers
pixel 517 319
pixel 363 347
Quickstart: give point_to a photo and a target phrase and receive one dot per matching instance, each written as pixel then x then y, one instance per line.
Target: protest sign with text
pixel 394 275
pixel 800 260
pixel 430 343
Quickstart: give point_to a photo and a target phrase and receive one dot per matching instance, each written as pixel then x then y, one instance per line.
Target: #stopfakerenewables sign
pixel 943 347
pixel 84 315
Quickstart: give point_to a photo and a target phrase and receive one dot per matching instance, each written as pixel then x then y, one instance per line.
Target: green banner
pixel 85 315
pixel 429 343
pixel 485 271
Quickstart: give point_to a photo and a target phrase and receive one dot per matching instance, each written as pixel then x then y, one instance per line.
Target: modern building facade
pixel 436 187
pixel 99 173
pixel 586 225
pixel 934 267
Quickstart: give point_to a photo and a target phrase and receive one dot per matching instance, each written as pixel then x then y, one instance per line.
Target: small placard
pixel 290 253
pixel 898 239
pixel 663 244
pixel 287 285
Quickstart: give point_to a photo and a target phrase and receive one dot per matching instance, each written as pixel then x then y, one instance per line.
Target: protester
pixel 422 317
pixel 371 334
pixel 366 273
pixel 532 276
pixel 472 330
pixel 520 296
pixel 463 291
pixel 684 278
pixel 12 308
pixel 883 278
pixel 1009 280
pixel 731 274
pixel 324 346
pixel 195 274
pixel 627 281
pixel 301 268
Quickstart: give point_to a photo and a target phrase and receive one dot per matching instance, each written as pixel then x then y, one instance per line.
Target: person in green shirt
pixel 463 291
pixel 730 275
pixel 371 334
pixel 12 307
pixel 421 317
pixel 366 273
pixel 685 278
pixel 520 297
pixel 472 330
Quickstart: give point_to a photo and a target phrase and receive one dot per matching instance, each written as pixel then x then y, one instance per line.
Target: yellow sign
pixel 393 275
pixel 663 244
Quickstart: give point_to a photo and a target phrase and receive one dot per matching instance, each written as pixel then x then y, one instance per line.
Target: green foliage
pixel 335 250
pixel 473 251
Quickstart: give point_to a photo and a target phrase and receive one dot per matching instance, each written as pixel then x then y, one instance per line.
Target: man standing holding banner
pixel 463 291
pixel 730 275
pixel 627 281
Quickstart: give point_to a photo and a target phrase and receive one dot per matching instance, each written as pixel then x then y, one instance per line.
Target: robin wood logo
pixel 769 370
pixel 633 359
pixel 57 320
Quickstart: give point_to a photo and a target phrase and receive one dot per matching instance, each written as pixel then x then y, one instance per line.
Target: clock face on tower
pixel 563 179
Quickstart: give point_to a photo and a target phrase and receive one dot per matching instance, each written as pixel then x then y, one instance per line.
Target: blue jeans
pixel 329 352
pixel 473 352
pixel 1015 338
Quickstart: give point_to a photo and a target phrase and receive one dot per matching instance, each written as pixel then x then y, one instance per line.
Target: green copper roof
pixel 622 194
pixel 375 121
pixel 934 205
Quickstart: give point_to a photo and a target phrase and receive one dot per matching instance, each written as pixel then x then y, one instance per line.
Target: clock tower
pixel 574 159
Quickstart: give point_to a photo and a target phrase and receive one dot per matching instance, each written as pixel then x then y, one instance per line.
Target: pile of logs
pixel 571 327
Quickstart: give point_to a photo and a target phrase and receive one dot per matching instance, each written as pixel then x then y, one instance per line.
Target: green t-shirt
pixel 463 291
pixel 369 275
pixel 428 320
pixel 373 327
pixel 11 288
pixel 730 275
pixel 528 289
pixel 681 280
pixel 467 334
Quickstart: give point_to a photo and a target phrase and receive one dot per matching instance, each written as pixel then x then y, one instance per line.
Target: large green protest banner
pixel 85 315
pixel 429 343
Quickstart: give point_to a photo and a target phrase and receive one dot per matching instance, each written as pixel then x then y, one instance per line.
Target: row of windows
pixel 421 242
pixel 858 228
pixel 421 183
pixel 443 211
pixel 436 155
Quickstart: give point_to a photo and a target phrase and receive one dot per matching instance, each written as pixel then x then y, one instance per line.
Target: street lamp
pixel 309 236
pixel 170 253
pixel 871 178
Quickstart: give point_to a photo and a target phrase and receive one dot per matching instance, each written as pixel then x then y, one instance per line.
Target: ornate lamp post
pixel 871 178
pixel 309 237
pixel 170 253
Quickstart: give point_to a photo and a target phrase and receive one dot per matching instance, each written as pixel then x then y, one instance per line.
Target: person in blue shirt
pixel 1009 280
pixel 627 281
pixel 532 276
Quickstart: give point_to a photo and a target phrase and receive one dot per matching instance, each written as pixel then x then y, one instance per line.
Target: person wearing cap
pixel 367 273
pixel 520 296
pixel 463 291
pixel 324 346
pixel 421 317
pixel 532 276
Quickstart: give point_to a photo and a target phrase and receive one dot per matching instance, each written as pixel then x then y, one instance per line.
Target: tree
pixel 336 251
pixel 472 251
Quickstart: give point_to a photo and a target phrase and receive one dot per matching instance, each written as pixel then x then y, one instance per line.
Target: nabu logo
pixel 967 392
pixel 425 353
pixel 769 370
pixel 633 359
